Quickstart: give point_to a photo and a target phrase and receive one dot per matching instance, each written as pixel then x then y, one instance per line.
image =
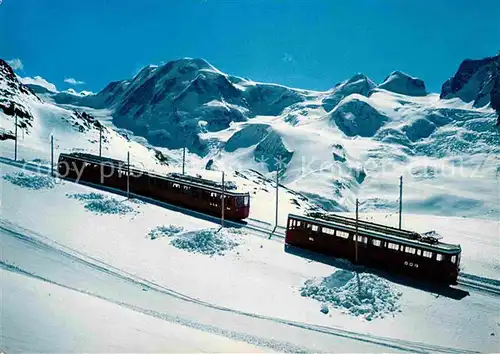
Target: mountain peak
pixel 402 83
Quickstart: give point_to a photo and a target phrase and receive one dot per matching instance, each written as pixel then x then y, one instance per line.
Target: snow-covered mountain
pixel 353 140
pixel 38 120
pixel 155 278
pixel 77 129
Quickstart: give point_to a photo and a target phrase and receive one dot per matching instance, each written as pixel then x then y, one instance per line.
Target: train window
pixel 439 257
pixel 298 223
pixel 453 259
pixel 410 250
pixel 393 246
pixel 314 227
pixel 363 239
pixel 328 231
pixel 419 252
pixel 342 234
pixel 377 243
pixel 246 200
pixel 427 254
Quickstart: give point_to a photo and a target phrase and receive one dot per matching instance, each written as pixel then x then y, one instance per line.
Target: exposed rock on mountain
pixel 15 97
pixel 355 116
pixel 476 81
pixel 250 135
pixel 404 84
pixel 273 152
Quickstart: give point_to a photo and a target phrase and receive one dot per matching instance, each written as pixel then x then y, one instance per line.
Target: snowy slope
pixel 40 317
pixel 257 283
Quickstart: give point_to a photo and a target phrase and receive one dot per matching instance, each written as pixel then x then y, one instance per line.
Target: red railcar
pixel 377 245
pixel 187 191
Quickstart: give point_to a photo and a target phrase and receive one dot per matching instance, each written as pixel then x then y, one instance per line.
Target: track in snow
pixel 260 227
pixel 41 258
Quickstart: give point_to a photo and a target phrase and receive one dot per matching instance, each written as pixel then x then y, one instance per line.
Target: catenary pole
pixel 52 155
pixel 223 196
pixel 15 141
pixel 128 175
pixel 356 236
pixel 400 201
pixel 183 159
pixel 100 142
pixel 277 204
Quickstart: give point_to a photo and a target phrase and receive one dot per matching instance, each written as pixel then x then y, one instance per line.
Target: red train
pixel 187 191
pixel 378 246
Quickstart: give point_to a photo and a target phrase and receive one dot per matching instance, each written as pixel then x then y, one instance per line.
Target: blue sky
pixel 309 44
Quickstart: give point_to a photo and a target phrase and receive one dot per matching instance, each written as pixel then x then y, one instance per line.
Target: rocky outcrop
pixel 15 97
pixel 476 81
pixel 354 116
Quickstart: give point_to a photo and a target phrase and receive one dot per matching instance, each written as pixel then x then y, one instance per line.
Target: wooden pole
pixel 183 159
pixel 356 235
pixel 15 141
pixel 128 175
pixel 223 196
pixel 100 142
pixel 52 155
pixel 277 187
pixel 400 201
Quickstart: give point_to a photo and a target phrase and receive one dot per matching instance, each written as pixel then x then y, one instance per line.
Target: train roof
pixel 366 228
pixel 230 187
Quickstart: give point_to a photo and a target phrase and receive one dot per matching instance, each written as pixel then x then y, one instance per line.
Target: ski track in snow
pixel 51 247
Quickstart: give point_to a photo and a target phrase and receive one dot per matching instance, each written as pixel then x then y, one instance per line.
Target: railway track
pixel 259 227
pixel 483 284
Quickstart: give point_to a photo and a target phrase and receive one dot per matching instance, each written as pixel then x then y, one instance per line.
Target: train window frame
pixel 342 234
pixel 427 254
pixel 393 246
pixel 410 250
pixel 314 228
pixel 328 231
pixel 376 242
pixel 454 259
pixel 439 257
pixel 362 239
